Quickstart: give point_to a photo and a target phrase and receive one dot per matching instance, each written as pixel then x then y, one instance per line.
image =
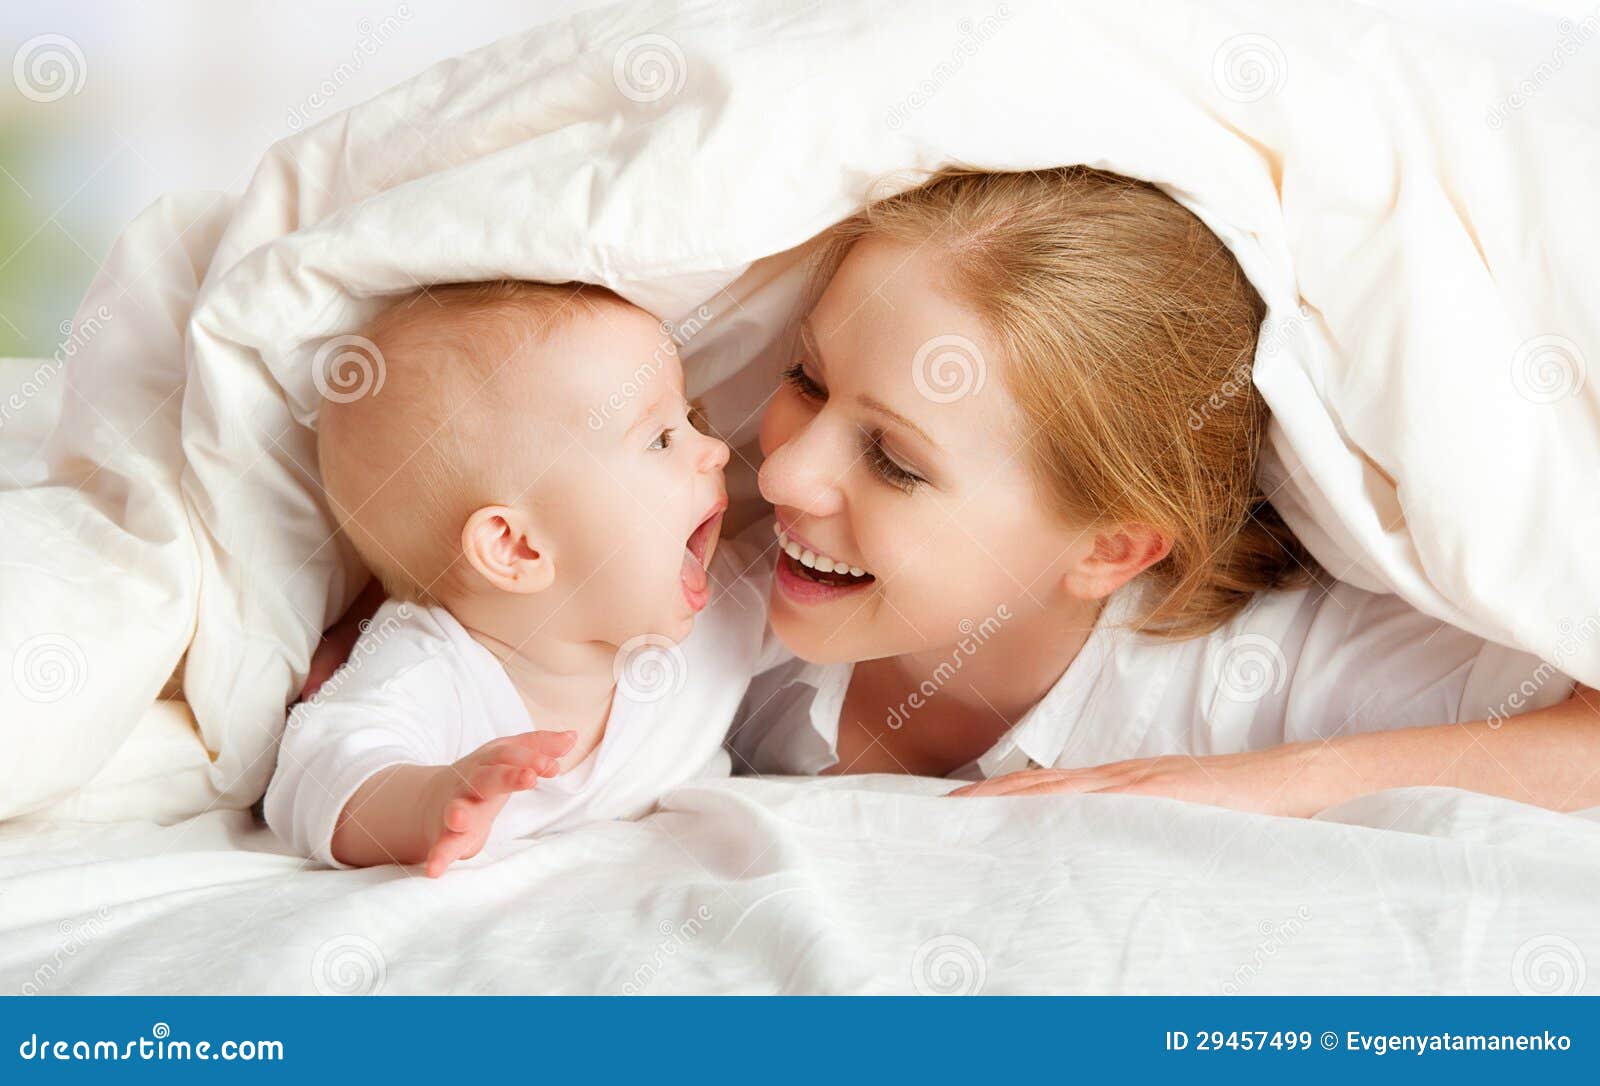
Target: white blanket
pixel 863 885
pixel 1412 194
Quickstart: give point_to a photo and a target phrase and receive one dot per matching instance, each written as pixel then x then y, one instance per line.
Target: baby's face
pixel 628 494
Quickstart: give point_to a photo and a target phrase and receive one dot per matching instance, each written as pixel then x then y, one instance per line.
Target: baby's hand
pixel 467 796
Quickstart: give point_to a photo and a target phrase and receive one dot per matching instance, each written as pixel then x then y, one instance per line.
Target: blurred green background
pixel 104 106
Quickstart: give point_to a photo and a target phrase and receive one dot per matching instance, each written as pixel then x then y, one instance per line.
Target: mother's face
pixel 894 448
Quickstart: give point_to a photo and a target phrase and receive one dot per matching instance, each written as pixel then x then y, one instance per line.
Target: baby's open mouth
pixel 697 556
pixel 821 568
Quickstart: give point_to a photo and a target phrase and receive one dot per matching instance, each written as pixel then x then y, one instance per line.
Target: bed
pixel 857 885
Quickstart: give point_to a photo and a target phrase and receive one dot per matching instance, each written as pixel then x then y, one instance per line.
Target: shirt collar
pixel 1040 737
pixel 829 684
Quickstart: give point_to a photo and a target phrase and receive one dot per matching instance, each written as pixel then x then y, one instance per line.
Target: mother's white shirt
pixel 1316 662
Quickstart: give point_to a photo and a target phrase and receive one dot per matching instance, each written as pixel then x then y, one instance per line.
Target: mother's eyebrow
pixel 808 339
pixel 872 403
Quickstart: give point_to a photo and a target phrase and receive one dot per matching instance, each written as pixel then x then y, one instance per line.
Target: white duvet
pixel 1413 194
pixel 864 885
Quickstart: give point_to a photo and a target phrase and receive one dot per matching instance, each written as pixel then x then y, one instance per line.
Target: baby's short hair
pixel 404 464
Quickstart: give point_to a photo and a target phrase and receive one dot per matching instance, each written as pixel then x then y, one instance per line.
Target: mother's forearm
pixel 1549 758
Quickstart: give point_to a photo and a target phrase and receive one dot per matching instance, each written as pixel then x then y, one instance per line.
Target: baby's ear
pixel 498 542
pixel 1117 556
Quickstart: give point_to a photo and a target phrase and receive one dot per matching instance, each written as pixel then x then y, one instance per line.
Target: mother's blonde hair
pixel 1128 332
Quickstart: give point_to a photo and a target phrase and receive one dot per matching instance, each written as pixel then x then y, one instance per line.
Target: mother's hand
pixel 339 640
pixel 1290 780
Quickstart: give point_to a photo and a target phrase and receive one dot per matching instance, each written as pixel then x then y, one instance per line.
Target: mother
pixel 1013 465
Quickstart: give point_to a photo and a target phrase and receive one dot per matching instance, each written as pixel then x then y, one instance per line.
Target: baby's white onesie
pixel 419 690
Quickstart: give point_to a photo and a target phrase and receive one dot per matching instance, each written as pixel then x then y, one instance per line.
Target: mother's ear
pixel 498 542
pixel 1119 554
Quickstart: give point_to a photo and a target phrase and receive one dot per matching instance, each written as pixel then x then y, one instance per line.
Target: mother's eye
pixel 886 467
pixel 797 377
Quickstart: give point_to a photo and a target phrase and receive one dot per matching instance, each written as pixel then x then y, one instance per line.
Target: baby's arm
pixel 437 815
pixel 371 770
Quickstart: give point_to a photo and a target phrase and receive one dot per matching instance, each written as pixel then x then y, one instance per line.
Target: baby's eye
pixel 663 441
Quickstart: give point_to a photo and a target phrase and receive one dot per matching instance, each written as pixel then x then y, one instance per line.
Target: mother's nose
pixel 806 472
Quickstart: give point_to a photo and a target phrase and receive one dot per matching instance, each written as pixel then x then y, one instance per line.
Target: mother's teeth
pixel 811 559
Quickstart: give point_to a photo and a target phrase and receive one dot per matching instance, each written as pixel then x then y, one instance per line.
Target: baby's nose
pixel 716 454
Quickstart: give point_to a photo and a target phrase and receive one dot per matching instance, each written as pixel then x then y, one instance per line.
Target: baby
pixel 528 485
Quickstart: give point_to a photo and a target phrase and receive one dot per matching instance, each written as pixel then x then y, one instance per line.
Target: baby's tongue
pixel 693 574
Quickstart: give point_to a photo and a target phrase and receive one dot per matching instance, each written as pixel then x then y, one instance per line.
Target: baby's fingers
pixel 531 750
pixel 496 780
pixel 464 811
pixel 449 848
pixel 550 744
pixel 522 758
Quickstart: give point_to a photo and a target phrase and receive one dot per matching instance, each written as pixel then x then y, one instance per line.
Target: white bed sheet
pixel 861 885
